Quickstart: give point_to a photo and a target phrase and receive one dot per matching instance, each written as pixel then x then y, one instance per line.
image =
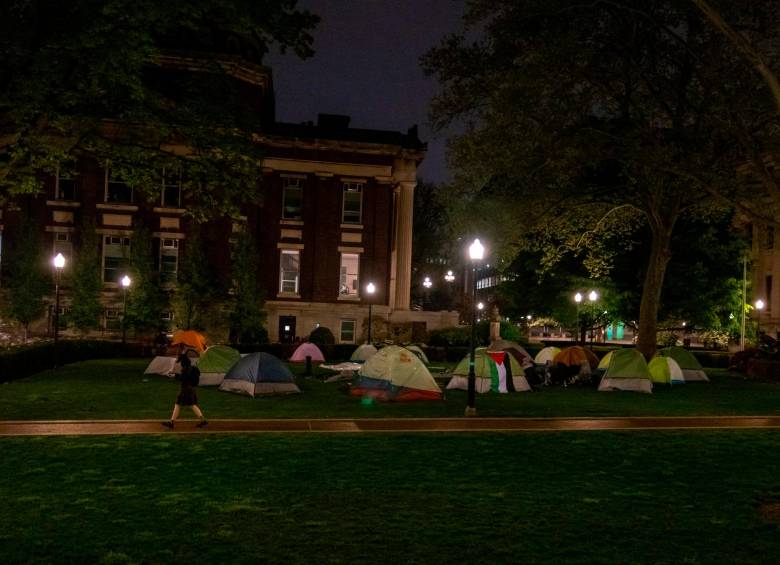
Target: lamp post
pixel 370 290
pixel 59 264
pixel 592 297
pixel 476 253
pixel 759 307
pixel 427 283
pixel 449 277
pixel 578 300
pixel 126 282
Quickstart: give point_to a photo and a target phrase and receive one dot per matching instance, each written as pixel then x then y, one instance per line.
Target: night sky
pixel 367 66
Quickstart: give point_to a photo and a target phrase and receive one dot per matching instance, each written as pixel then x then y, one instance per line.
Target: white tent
pixel 161 365
pixel 363 353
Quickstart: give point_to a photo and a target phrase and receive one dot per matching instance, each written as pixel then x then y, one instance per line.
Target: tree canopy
pixel 86 78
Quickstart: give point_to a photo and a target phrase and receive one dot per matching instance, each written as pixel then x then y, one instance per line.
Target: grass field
pixel 603 497
pixel 117 389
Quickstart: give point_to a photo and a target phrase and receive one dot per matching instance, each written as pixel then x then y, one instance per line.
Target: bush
pixel 450 337
pixel 322 336
pixel 667 339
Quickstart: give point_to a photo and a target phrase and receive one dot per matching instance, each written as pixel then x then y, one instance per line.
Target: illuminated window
pixel 289 271
pixel 352 207
pixel 349 276
pixel 292 199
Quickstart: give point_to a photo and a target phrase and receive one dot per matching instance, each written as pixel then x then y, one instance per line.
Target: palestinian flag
pixel 501 373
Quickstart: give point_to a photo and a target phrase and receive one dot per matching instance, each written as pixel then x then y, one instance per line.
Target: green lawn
pixel 117 389
pixel 597 497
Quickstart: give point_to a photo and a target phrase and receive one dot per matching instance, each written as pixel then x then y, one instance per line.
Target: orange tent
pixel 575 355
pixel 190 338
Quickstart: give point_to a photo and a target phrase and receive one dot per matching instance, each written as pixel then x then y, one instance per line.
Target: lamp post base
pixel 470 411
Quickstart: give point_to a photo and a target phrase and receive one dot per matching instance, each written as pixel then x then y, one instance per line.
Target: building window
pixel 171 188
pixel 289 271
pixel 769 238
pixel 113 319
pixel 348 278
pixel 169 260
pixel 117 191
pixel 116 252
pixel 347 331
pixel 352 207
pixel 65 188
pixel 63 243
pixel 292 199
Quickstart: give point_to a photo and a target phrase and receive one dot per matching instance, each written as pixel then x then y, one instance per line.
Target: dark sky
pixel 366 66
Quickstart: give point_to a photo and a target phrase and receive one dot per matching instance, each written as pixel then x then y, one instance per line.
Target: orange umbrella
pixel 190 338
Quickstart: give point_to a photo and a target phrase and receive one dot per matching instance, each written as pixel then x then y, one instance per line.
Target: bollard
pixel 308 366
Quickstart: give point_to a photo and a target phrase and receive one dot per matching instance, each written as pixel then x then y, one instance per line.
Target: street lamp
pixel 592 296
pixel 427 283
pixel 59 264
pixel 580 325
pixel 449 277
pixel 476 253
pixel 126 282
pixel 370 290
pixel 759 306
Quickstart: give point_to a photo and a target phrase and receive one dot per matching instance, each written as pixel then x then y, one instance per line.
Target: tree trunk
pixel 660 254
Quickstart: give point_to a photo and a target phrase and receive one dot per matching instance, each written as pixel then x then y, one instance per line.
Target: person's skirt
pixel 187 398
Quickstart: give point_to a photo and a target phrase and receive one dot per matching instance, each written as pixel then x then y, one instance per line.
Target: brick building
pixel 335 214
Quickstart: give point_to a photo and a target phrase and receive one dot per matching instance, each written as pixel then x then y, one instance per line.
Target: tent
pixel 604 363
pixel 417 350
pixel 307 349
pixel 191 339
pixel 395 373
pixel 546 354
pixel 691 368
pixel 161 365
pixel 665 370
pixel 259 373
pixel 627 371
pixel 515 349
pixel 363 353
pixel 217 361
pixel 575 356
pixel 498 371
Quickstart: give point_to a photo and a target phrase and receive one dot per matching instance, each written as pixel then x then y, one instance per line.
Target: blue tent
pixel 259 373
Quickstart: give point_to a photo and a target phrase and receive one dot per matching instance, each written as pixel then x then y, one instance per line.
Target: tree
pixel 145 299
pixel 198 293
pixel 247 316
pixel 94 78
pixel 85 281
pixel 28 283
pixel 589 121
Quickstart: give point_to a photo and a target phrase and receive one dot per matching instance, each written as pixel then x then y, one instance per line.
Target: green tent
pixel 215 362
pixel 627 370
pixel 489 374
pixel 604 363
pixel 691 368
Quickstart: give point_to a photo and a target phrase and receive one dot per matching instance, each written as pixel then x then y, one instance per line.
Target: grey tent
pixel 259 373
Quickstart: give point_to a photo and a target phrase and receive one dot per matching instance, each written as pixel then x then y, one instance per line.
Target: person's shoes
pixel 202 423
pixel 168 425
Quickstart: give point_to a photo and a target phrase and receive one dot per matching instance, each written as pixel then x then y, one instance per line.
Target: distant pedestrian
pixel 189 378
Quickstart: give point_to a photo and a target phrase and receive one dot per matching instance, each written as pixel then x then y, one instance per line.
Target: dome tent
pixel 604 363
pixel 395 373
pixel 190 338
pixel 546 354
pixel 417 350
pixel 490 371
pixel 627 370
pixel 307 349
pixel 161 365
pixel 665 370
pixel 691 368
pixel 515 349
pixel 363 353
pixel 259 373
pixel 215 363
pixel 575 356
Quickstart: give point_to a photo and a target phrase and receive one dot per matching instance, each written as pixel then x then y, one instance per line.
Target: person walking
pixel 189 378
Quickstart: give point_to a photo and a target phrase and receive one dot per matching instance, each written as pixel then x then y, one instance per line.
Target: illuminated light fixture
pixel 760 304
pixel 126 281
pixel 476 250
pixel 578 298
pixel 427 283
pixel 480 306
pixel 59 261
pixel 449 277
pixel 593 296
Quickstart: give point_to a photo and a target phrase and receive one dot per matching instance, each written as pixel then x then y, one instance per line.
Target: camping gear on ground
pixel 161 365
pixel 419 352
pixel 190 338
pixel 215 363
pixel 665 370
pixel 395 373
pixel 691 368
pixel 345 369
pixel 627 370
pixel 490 371
pixel 546 354
pixel 363 353
pixel 259 373
pixel 307 349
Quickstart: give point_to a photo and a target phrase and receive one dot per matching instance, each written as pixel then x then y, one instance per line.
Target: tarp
pixel 215 362
pixel 691 368
pixel 665 370
pixel 627 370
pixel 363 353
pixel 259 373
pixel 395 373
pixel 417 350
pixel 546 354
pixel 161 365
pixel 488 373
pixel 575 355
pixel 307 350
pixel 191 338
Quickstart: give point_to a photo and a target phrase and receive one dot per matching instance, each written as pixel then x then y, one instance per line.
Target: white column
pixel 404 244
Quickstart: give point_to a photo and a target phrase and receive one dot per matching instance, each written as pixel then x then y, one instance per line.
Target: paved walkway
pixel 112 427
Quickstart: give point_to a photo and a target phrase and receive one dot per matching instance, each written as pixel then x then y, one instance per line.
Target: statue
pixel 495 324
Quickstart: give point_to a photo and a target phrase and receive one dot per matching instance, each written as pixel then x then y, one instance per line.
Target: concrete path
pixel 112 427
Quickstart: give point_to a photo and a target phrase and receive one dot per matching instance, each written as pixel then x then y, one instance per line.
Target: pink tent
pixel 307 350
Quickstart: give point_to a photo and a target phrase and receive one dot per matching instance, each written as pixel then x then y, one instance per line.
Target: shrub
pixel 450 336
pixel 667 339
pixel 322 336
